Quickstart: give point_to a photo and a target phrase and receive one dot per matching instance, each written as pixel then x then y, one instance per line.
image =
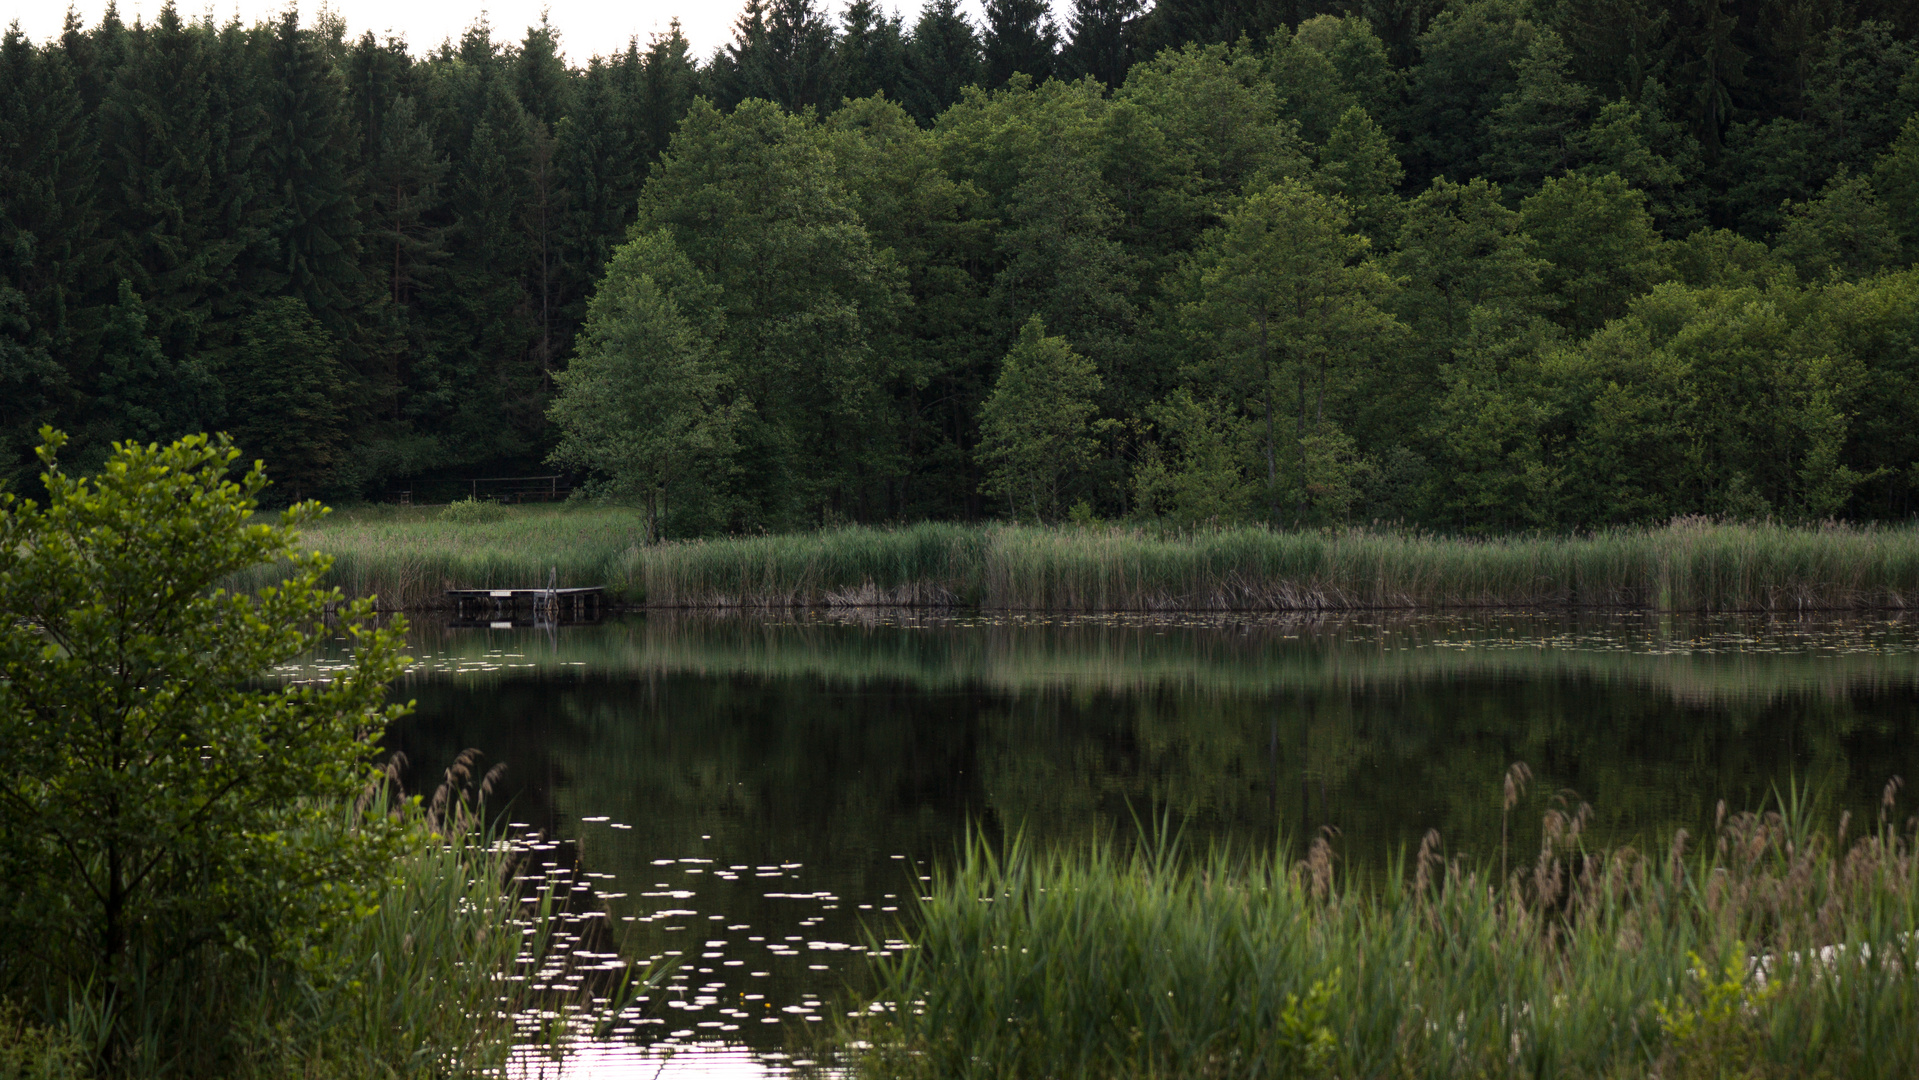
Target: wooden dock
pixel 549 603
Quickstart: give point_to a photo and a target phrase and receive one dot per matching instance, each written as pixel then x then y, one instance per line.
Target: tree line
pixel 1478 264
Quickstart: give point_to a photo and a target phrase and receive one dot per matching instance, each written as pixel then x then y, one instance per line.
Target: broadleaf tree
pixel 167 803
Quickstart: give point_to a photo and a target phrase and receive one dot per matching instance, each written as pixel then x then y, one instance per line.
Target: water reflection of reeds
pixel 1700 661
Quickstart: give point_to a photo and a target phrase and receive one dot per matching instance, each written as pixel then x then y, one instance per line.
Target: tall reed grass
pixel 1691 565
pixel 411 558
pixel 1772 950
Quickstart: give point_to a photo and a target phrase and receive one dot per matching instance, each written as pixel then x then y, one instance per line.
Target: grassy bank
pixel 410 556
pixel 1770 951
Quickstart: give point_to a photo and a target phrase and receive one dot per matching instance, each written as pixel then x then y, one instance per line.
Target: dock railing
pixel 506 489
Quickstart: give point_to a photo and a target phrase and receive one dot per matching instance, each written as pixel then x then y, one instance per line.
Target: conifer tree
pixel 599 166
pixel 1173 23
pixel 667 85
pixel 1358 165
pixel 540 77
pixel 31 383
pixel 1097 40
pixel 315 239
pixel 141 394
pixel 782 52
pixel 96 56
pixel 159 169
pixel 1532 133
pixel 1019 37
pixel 871 52
pixel 799 61
pixel 284 390
pixel 49 227
pixel 942 59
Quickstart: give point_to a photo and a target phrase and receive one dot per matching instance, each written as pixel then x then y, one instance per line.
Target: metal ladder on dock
pixel 546 602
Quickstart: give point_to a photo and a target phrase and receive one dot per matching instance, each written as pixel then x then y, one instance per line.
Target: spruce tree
pixel 942 59
pixel 162 180
pixel 95 56
pixel 140 393
pixel 314 245
pixel 734 68
pixel 1173 23
pixel 31 383
pixel 871 52
pixel 540 78
pixel 49 227
pixel 797 68
pixel 1019 38
pixel 667 87
pixel 599 167
pixel 284 387
pixel 1098 41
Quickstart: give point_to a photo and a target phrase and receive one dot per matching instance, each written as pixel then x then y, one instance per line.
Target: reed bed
pixel 409 559
pixel 1771 950
pixel 1690 565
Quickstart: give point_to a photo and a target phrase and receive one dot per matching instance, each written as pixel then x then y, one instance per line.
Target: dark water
pixel 761 797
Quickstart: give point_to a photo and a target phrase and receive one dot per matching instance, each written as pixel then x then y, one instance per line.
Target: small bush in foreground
pixel 31 1052
pixel 1776 950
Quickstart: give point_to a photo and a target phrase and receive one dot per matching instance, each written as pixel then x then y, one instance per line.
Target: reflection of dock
pixel 548 605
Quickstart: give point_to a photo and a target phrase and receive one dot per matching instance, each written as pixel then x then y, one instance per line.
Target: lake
pixel 760 797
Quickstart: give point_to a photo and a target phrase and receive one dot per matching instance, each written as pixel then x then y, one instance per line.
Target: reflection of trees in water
pixel 1383 767
pixel 1695 660
pixel 814 768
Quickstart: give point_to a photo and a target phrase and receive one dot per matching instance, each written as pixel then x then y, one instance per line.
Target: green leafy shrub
pixel 30 1052
pixel 1714 1031
pixel 169 823
pixel 470 511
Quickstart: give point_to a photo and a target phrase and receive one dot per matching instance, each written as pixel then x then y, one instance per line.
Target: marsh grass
pixel 1691 565
pixel 409 557
pixel 1771 950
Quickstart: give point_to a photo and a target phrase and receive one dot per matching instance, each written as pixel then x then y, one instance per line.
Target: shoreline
pixel 1688 566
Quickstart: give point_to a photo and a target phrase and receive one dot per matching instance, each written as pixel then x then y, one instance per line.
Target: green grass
pixel 1770 951
pixel 410 557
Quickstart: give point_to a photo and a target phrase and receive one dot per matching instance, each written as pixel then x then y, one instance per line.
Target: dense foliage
pixel 165 819
pixel 1479 264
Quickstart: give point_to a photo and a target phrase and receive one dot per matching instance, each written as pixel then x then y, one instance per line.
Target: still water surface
pixel 761 798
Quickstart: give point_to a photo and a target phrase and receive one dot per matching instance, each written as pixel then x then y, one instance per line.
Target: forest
pixel 1472 266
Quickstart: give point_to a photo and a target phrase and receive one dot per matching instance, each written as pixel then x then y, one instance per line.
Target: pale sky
pixel 586 26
